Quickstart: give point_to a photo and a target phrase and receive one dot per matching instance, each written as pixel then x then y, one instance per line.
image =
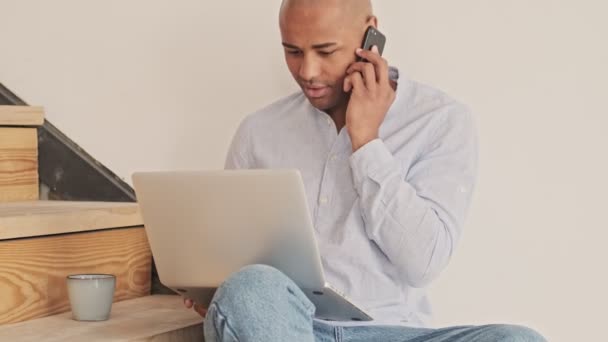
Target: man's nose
pixel 309 69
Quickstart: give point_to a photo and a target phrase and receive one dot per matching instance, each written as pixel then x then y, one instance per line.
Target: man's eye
pixel 294 52
pixel 326 53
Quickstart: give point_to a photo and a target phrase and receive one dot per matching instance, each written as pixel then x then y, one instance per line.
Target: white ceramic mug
pixel 91 296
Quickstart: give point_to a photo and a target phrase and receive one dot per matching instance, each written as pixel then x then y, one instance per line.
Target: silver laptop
pixel 204 225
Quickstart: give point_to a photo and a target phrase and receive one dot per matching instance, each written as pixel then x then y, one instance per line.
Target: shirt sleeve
pixel 416 219
pixel 239 154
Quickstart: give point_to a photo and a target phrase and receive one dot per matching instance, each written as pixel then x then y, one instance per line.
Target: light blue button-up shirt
pixel 388 216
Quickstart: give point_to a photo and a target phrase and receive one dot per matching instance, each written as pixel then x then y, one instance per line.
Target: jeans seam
pixel 338 334
pixel 308 305
pixel 226 322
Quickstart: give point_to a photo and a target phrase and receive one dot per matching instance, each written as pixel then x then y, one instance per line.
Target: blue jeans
pixel 260 303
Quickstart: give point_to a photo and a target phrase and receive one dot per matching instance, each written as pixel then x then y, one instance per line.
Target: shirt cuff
pixel 369 160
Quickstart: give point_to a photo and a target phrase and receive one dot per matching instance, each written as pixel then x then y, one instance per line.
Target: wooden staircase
pixel 41 242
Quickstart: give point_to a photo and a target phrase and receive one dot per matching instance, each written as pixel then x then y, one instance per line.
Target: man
pixel 389 168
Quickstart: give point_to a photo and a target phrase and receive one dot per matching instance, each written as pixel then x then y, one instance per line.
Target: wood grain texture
pixel 159 318
pixel 37 218
pixel 21 116
pixel 33 270
pixel 18 164
pixel 192 333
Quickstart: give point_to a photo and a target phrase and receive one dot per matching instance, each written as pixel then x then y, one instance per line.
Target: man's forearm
pixel 417 234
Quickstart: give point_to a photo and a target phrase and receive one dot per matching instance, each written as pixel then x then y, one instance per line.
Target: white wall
pixel 144 84
pixel 161 85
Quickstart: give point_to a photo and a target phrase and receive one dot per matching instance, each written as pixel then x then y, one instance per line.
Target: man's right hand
pixel 189 303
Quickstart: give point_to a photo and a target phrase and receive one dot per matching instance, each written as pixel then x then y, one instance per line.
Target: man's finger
pixel 347 84
pixel 188 303
pixel 369 76
pixel 368 72
pixel 356 66
pixel 380 64
pixel 200 310
pixel 357 82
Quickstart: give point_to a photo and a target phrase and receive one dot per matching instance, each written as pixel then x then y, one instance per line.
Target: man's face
pixel 319 45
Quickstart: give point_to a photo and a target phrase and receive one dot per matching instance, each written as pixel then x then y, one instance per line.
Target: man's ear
pixel 372 20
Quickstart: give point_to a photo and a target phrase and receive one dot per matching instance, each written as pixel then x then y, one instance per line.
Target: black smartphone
pixel 372 37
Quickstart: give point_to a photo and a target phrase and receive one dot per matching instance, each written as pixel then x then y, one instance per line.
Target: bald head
pixel 355 12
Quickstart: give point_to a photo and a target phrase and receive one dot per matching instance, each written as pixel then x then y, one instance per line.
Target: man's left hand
pixel 371 97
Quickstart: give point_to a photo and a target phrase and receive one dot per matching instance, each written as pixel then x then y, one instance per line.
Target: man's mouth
pixel 316 92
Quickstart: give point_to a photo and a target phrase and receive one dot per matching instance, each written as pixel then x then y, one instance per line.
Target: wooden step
pixel 21 116
pixel 41 242
pixel 19 152
pixel 38 218
pixel 156 318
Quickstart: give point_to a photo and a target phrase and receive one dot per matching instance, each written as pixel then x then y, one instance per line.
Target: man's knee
pixel 513 333
pixel 254 298
pixel 253 278
pixel 252 285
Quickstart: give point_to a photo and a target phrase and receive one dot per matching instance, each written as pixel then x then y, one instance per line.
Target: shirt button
pixel 323 200
pixel 333 157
